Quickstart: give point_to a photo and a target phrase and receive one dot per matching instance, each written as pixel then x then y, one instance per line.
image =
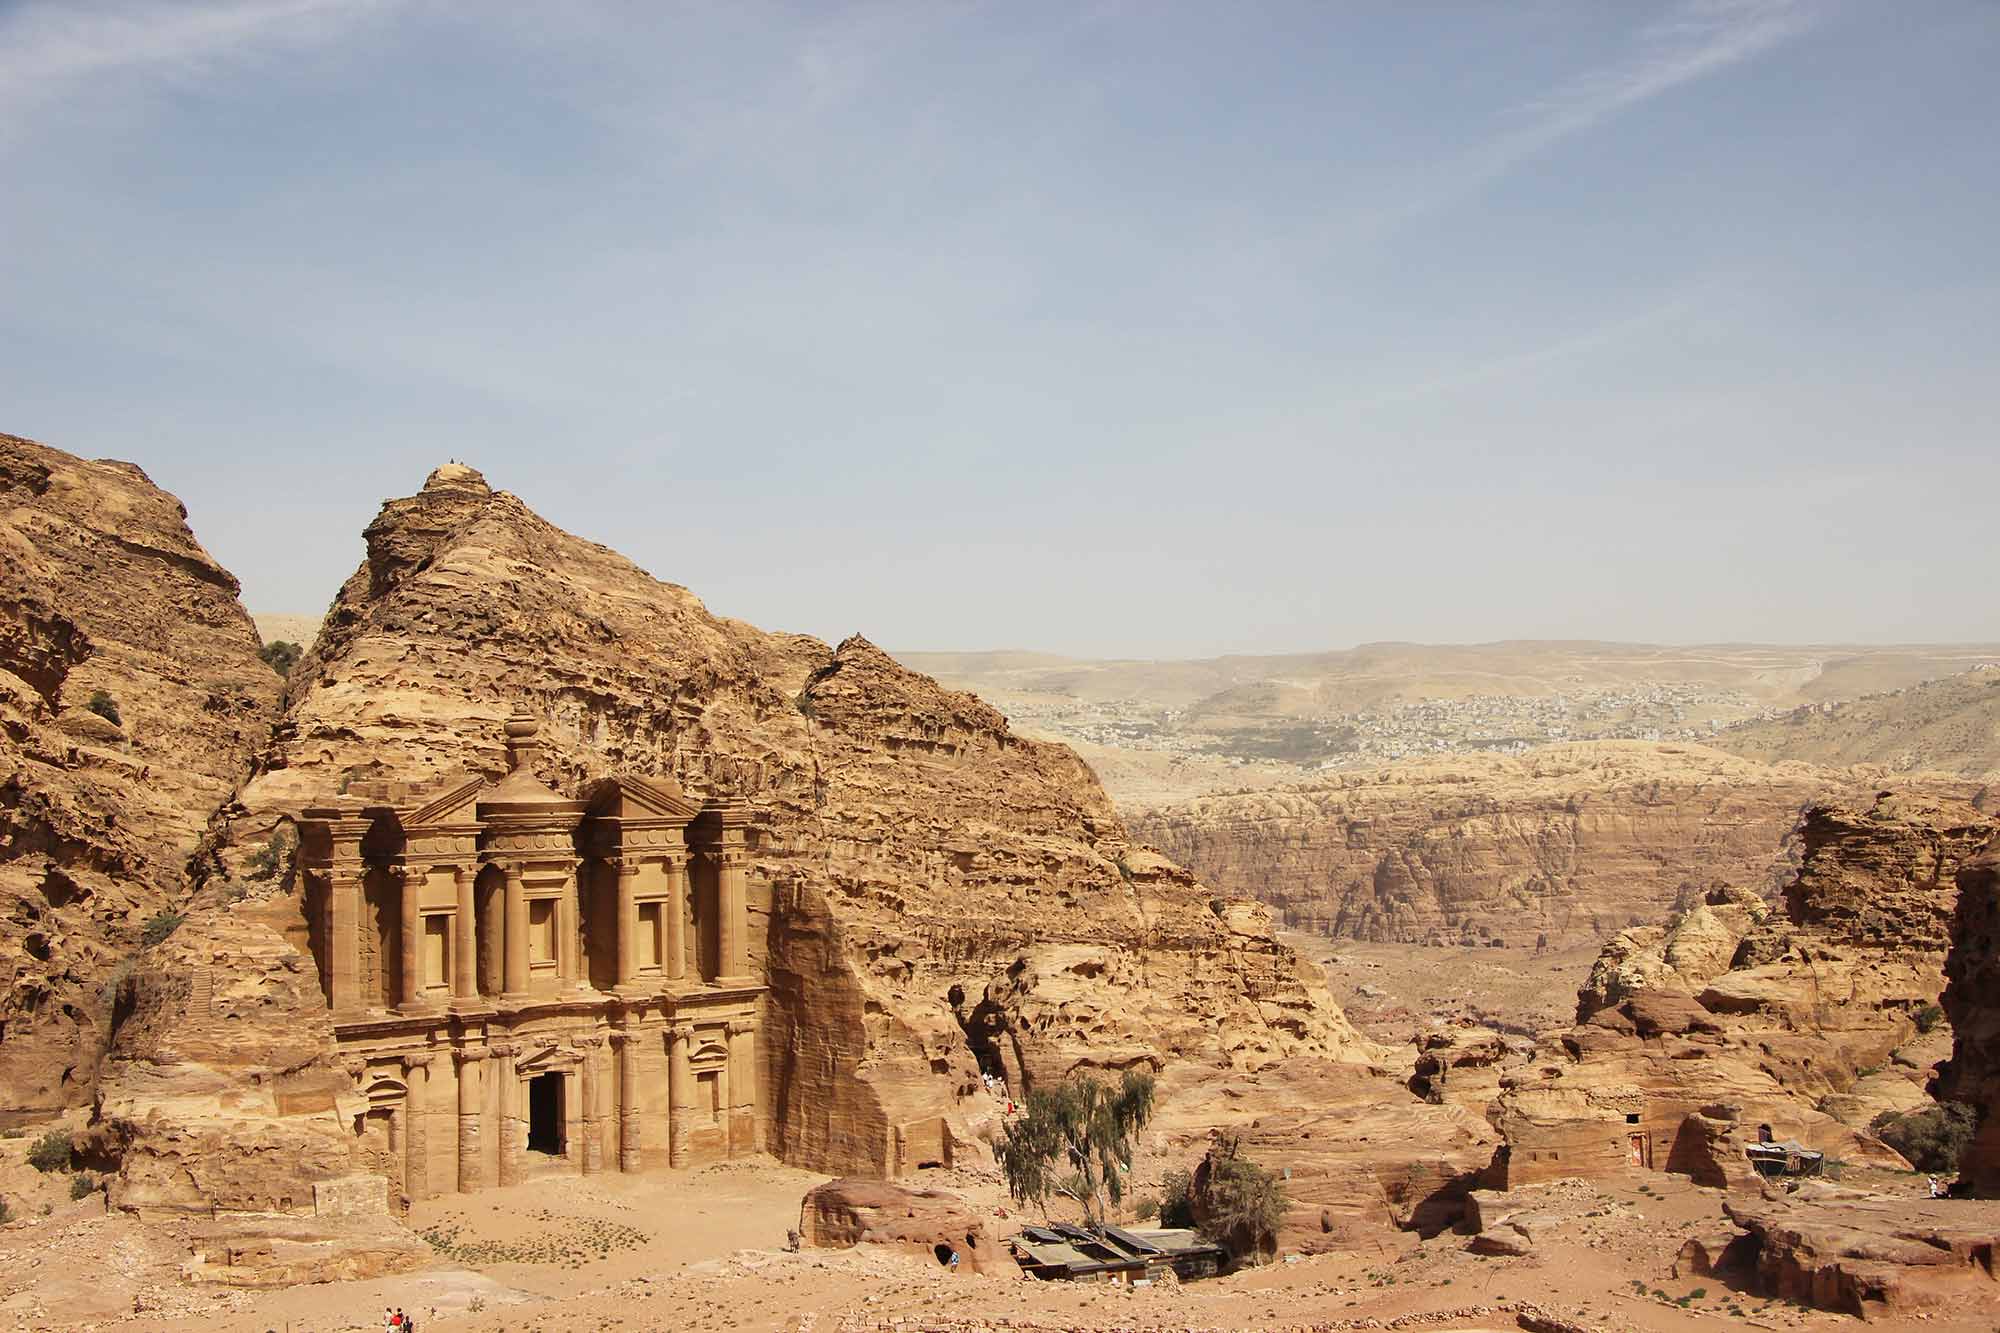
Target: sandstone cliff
pixel 1813 1020
pixel 931 894
pixel 1571 841
pixel 103 592
pixel 1972 1000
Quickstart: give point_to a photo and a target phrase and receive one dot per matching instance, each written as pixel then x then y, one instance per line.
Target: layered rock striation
pixel 933 898
pixel 132 699
pixel 1568 842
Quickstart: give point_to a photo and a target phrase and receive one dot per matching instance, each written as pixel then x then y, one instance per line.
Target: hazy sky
pixel 1118 329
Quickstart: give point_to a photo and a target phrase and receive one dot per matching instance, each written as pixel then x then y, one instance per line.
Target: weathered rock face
pixel 844 1213
pixel 103 590
pixel 931 895
pixel 1568 842
pixel 1869 1256
pixel 1816 1022
pixel 219 1094
pixel 1972 1001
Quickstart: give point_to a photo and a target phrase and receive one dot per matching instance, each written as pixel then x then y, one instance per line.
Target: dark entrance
pixel 545 1114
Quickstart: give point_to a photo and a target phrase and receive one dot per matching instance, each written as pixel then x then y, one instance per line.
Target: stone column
pixel 410 977
pixel 566 939
pixel 416 1164
pixel 517 935
pixel 677 911
pixel 628 1100
pixel 471 1110
pixel 506 1096
pixel 628 921
pixel 465 944
pixel 732 877
pixel 344 935
pixel 591 1158
pixel 742 1086
pixel 680 1094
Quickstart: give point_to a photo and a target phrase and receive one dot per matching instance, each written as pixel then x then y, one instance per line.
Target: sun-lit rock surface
pixel 1566 842
pixel 103 591
pixel 931 895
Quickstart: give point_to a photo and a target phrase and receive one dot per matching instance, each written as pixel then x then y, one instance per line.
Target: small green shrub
pixel 160 927
pixel 13 1133
pixel 1146 1209
pixel 1928 1017
pixel 105 707
pixel 50 1152
pixel 270 860
pixel 280 655
pixel 1698 1293
pixel 1933 1138
pixel 1176 1202
pixel 80 1186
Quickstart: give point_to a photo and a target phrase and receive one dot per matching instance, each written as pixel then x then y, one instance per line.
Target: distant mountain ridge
pixel 1948 726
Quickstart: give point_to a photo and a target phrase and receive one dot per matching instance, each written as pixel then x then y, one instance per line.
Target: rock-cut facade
pixel 522 983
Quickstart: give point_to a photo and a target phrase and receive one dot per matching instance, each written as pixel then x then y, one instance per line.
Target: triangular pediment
pixel 628 796
pixel 452 806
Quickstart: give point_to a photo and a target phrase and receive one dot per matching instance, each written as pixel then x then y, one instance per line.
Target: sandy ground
pixel 703 1250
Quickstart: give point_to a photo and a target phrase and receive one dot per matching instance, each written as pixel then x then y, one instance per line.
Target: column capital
pixel 739 1026
pixel 467 1055
pixel 681 1032
pixel 356 1068
pixel 422 1061
pixel 589 1043
pixel 504 1050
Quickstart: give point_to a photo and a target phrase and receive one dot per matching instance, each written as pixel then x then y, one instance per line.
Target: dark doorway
pixel 545 1114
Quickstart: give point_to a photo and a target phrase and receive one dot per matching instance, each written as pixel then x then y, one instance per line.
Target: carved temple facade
pixel 522 983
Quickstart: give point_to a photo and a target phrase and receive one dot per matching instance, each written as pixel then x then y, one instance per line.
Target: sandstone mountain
pixel 932 896
pixel 105 596
pixel 1949 726
pixel 1570 841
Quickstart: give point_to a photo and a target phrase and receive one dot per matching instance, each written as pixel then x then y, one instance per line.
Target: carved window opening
pixel 436 959
pixel 708 1096
pixel 651 943
pixel 542 932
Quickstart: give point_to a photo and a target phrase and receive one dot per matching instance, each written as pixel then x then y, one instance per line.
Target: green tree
pixel 1075 1141
pixel 1239 1204
pixel 1934 1138
pixel 281 655
pixel 105 707
pixel 1176 1199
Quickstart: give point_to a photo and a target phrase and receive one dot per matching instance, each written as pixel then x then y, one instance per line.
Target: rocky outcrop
pixel 1566 842
pixel 932 896
pixel 131 701
pixel 935 1224
pixel 1972 1001
pixel 1820 1018
pixel 219 1095
pixel 1869 1256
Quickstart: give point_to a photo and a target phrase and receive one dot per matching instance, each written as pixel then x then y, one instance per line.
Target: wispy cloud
pixel 1697 39
pixel 48 49
pixel 1568 348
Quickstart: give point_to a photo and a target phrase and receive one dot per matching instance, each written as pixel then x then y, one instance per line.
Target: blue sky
pixel 1115 329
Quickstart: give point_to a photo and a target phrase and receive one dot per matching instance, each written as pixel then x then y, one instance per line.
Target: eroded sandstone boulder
pixel 1870 1256
pixel 131 701
pixel 934 1224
